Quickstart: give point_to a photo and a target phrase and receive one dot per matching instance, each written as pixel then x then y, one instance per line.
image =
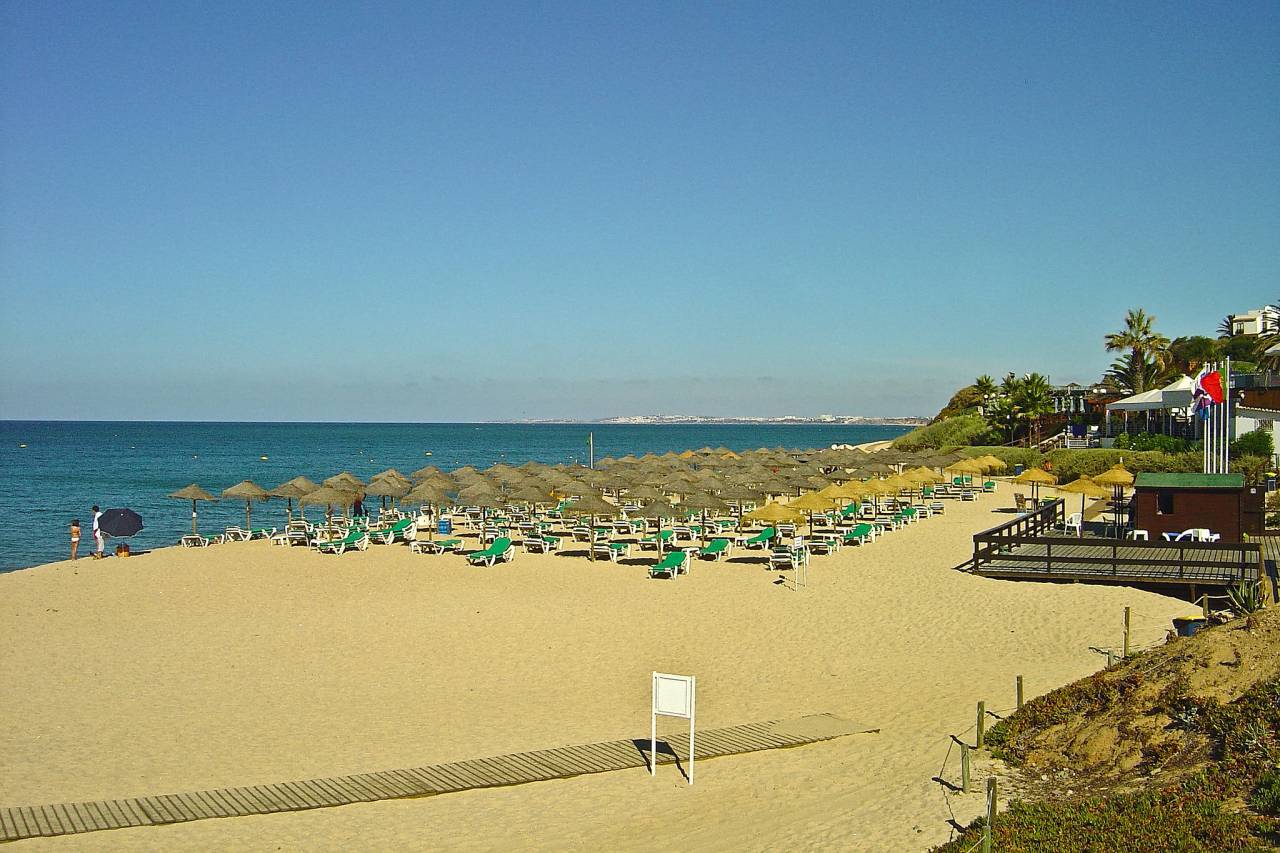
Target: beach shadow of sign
pixel 664 748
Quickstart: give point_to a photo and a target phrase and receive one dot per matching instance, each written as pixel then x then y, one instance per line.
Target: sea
pixel 54 471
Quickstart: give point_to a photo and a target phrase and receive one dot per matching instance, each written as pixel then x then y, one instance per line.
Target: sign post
pixel 673 696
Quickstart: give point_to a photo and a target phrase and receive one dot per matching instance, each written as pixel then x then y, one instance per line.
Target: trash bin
pixel 1186 626
pixel 1018 469
pixel 445 527
pixel 1271 482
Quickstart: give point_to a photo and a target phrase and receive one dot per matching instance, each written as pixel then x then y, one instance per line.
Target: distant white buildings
pixel 1260 321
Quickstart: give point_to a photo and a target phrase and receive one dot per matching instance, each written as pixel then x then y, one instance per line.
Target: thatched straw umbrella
pixel 248 491
pixel 591 505
pixel 192 493
pixel 1118 478
pixel 775 513
pixel 658 508
pixel 811 502
pixel 703 501
pixel 643 492
pixel 293 490
pixel 994 463
pixel 434 498
pixel 346 481
pixel 1084 487
pixel 738 493
pixel 1036 477
pixel 483 495
pixel 328 497
pixel 388 487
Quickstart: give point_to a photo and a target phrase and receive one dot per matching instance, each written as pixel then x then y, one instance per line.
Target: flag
pixel 1206 392
pixel 1210 382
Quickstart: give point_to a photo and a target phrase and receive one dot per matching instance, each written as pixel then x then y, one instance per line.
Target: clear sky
pixel 384 211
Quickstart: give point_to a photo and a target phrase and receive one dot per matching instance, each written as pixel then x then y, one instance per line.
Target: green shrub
pixel 1152 441
pixel 1193 814
pixel 1025 456
pixel 1266 797
pixel 1254 468
pixel 1256 443
pixel 1067 465
pixel 948 432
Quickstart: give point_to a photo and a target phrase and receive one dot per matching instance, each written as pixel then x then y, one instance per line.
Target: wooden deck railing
pixel 1047 517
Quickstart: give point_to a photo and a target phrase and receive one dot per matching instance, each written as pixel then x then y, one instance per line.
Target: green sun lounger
pixel 717 549
pixel 356 540
pixel 612 550
pixel 860 533
pixel 651 542
pixel 542 544
pixel 762 539
pixel 500 550
pixel 392 533
pixel 436 546
pixel 670 565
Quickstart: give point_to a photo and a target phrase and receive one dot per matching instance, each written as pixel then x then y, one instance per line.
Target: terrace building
pixel 1259 321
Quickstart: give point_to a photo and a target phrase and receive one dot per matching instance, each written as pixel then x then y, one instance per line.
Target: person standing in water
pixel 75 537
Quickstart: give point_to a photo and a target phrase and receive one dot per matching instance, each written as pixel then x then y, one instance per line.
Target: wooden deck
pixel 497 771
pixel 1115 561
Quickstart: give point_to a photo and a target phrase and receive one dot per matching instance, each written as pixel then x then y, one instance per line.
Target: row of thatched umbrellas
pixel 705 481
pixel 1117 478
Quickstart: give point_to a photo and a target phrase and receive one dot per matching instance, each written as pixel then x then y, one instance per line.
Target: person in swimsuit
pixel 75 537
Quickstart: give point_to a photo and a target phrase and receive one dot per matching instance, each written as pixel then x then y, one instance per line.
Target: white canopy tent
pixel 1143 402
pixel 1175 395
pixel 1170 404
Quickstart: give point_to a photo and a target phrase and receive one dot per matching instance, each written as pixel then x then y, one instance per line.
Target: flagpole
pixel 1226 418
pixel 1204 424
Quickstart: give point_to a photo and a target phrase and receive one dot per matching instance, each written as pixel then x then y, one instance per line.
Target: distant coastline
pixel 640 420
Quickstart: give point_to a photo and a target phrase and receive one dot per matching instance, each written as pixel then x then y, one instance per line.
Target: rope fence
pixel 1126 651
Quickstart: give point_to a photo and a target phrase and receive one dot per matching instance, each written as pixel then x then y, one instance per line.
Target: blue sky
pixel 478 211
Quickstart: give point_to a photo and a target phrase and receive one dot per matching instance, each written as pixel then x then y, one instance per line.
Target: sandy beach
pixel 246 663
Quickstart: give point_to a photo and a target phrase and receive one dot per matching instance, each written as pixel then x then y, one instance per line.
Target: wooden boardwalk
pixel 1117 562
pixel 501 770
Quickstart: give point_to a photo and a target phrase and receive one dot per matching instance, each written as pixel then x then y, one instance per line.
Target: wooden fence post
pixel 964 768
pixel 982 724
pixel 1125 654
pixel 1019 692
pixel 991 815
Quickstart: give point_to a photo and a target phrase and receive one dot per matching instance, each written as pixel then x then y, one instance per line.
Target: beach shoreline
pixel 247 663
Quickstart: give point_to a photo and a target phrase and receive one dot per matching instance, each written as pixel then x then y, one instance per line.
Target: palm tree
pixel 1227 328
pixel 1034 401
pixel 1133 373
pixel 1003 415
pixel 1144 345
pixel 984 388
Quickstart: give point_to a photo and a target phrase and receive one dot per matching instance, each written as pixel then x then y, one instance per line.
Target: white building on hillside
pixel 1260 321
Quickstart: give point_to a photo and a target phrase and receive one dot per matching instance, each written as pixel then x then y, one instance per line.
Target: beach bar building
pixel 1220 503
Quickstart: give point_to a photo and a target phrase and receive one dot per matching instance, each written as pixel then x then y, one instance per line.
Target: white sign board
pixel 673 696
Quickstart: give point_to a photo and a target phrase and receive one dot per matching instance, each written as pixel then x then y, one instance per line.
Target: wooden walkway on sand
pixel 497 771
pixel 1119 561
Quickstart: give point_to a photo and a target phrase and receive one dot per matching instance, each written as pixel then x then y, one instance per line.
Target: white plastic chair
pixel 1075 522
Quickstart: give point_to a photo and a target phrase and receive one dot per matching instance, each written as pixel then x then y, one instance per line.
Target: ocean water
pixel 54 471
